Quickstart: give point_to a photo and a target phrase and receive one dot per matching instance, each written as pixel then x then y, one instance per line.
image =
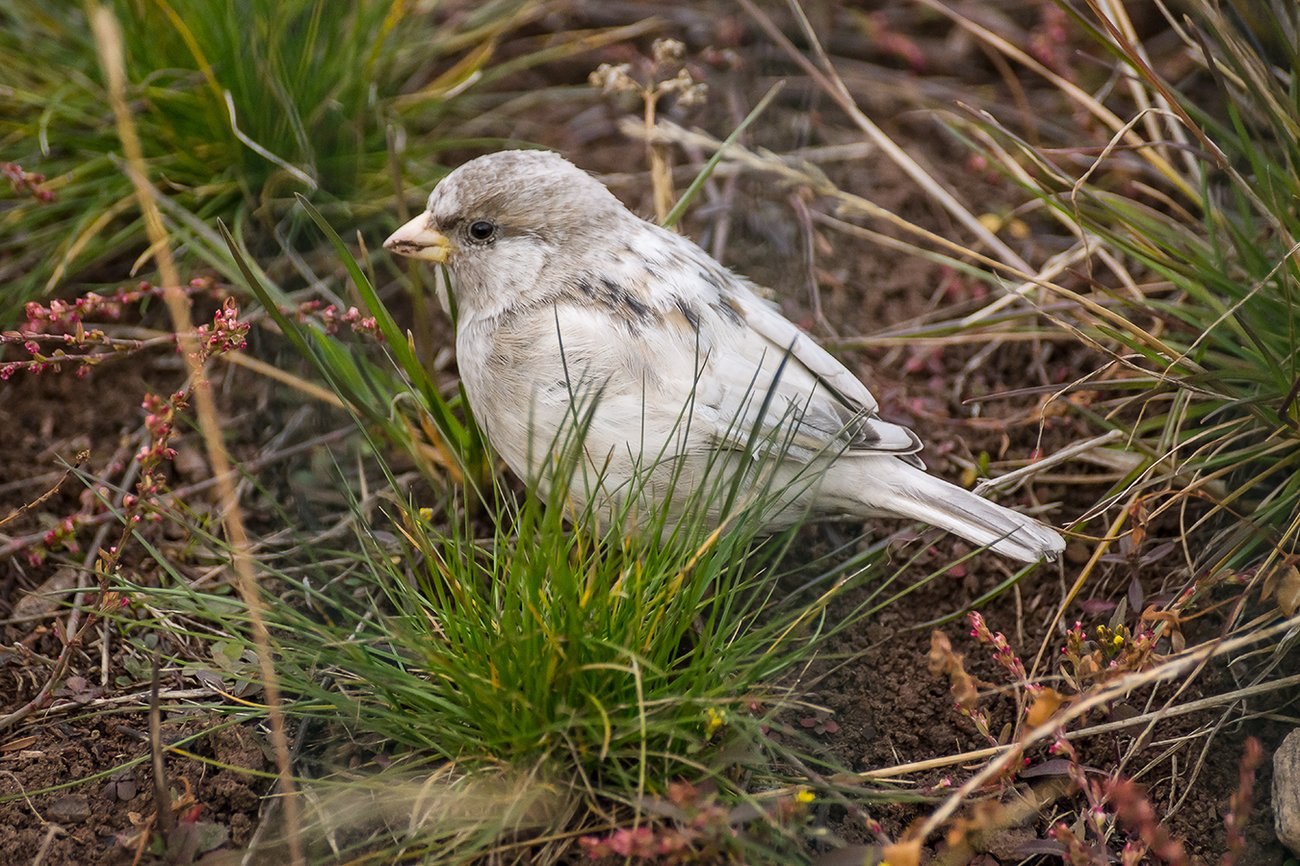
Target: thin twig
pixel 829 80
pixel 1012 480
pixel 162 799
pixel 181 494
pixel 81 457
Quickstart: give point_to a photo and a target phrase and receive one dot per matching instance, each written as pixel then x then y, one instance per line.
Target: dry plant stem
pixel 774 165
pixel 270 371
pixel 1052 268
pixel 82 456
pixel 162 800
pixel 1133 52
pixel 1169 669
pixel 55 677
pixel 136 700
pixel 51 832
pixel 88 566
pixel 33 481
pixel 1071 90
pixel 1082 733
pixel 1028 804
pixel 661 175
pixel 1086 246
pixel 783 169
pixel 1115 11
pixel 1012 480
pixel 1084 573
pixel 894 341
pixel 74 630
pixel 800 207
pixel 834 86
pixel 108 39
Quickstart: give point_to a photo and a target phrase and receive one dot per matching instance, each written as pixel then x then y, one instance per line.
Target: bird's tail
pixel 887 485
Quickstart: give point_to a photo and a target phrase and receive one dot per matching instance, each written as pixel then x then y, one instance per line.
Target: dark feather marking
pixel 619 301
pixel 724 308
pixel 619 298
pixel 692 315
pixel 712 279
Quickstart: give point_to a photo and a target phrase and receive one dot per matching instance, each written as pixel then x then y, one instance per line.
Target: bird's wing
pixel 775 381
pixel 759 381
pixel 786 336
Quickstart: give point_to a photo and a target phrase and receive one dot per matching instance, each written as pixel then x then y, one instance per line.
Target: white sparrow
pixel 577 315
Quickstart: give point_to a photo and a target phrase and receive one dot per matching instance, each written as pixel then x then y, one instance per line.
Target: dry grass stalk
pixel 108 39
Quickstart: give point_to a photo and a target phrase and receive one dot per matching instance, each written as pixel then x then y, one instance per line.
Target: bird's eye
pixel 481 231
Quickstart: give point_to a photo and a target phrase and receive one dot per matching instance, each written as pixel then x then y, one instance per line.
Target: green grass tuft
pixel 240 106
pixel 1197 205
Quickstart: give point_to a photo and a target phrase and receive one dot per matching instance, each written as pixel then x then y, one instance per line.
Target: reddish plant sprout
pixel 1128 802
pixel 640 843
pixel 1109 653
pixel 980 720
pixel 893 43
pixel 160 420
pixel 1003 654
pixel 333 321
pixel 1076 640
pixel 1135 812
pixel 1074 770
pixel 56 335
pixel 68 317
pixel 965 688
pixel 1049 41
pixel 1132 853
pixel 703 830
pixel 226 333
pixel 1239 804
pixel 1041 704
pixel 1077 852
pixel 26 182
pixel 60 537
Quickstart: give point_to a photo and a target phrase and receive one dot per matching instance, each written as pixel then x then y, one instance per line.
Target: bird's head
pixel 500 220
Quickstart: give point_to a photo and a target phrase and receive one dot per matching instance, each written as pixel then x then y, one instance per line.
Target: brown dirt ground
pixel 888 707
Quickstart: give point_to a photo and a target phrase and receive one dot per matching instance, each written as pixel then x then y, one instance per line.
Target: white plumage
pixel 567 301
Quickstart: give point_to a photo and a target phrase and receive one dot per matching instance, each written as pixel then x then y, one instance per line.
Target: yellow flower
pixel 713 719
pixel 803 795
pixel 426 514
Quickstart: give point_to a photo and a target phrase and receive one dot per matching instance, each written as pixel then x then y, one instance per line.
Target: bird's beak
pixel 417 240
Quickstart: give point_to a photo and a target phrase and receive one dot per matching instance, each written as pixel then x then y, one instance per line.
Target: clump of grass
pixel 1191 207
pixel 239 107
pixel 604 658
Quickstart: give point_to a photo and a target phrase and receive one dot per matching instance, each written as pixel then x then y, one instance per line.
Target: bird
pixel 577 321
